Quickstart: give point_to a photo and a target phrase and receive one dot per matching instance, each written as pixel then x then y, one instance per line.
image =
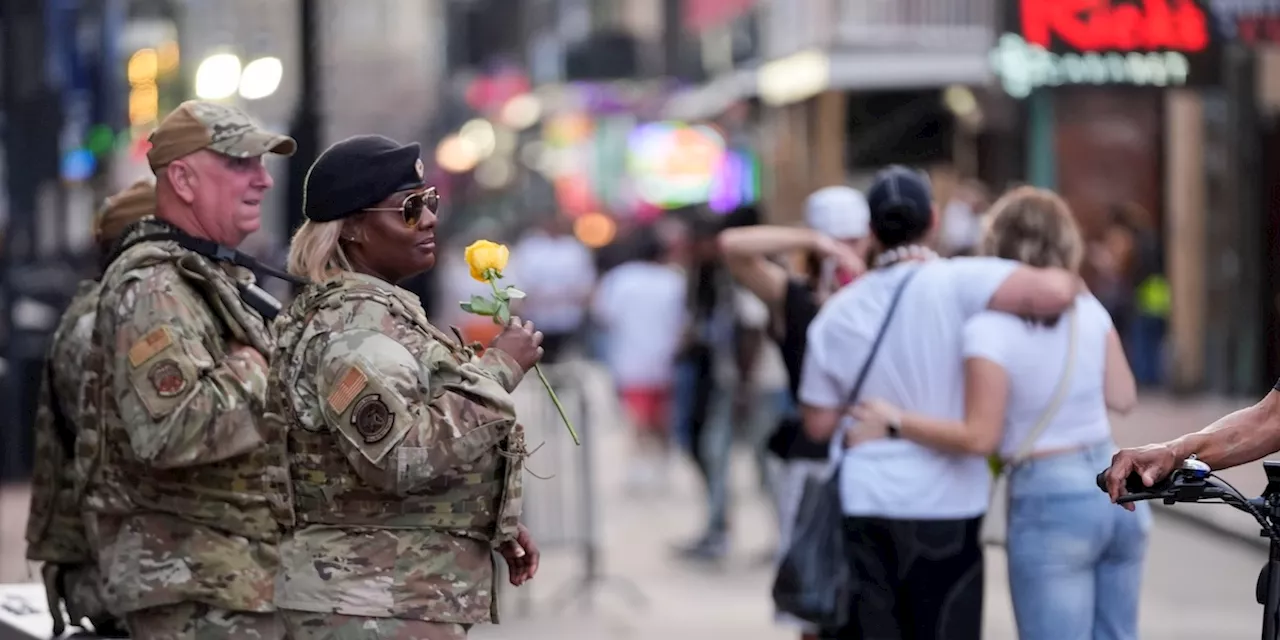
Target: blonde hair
pixel 316 251
pixel 1033 226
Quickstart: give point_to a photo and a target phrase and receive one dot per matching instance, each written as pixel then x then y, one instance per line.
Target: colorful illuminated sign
pixel 1109 25
pixel 673 164
pixel 1156 43
pixel 736 183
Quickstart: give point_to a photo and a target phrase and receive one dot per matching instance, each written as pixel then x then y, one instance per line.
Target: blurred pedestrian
pixel 962 219
pixel 557 274
pixel 184 498
pixel 639 305
pixel 404 453
pixel 1151 296
pixel 834 248
pixel 899 497
pixel 706 378
pixel 55 527
pixel 1037 391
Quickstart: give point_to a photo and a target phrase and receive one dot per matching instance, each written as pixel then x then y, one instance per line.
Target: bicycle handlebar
pixel 1193 482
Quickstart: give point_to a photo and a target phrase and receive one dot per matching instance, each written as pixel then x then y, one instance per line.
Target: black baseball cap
pixel 901 204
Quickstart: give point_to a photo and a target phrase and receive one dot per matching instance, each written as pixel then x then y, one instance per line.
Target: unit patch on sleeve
pixel 167 378
pixel 372 418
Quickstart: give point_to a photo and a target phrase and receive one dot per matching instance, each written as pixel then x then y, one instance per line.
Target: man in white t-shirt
pixel 557 273
pixel 640 305
pixel 912 513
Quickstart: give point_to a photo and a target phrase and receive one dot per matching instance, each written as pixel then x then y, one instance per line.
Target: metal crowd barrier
pixel 560 501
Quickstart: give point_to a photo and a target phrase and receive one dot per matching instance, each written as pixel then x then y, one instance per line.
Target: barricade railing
pixel 560 484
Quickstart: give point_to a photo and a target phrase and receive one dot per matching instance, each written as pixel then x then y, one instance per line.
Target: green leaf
pixel 502 294
pixel 466 306
pixel 514 293
pixel 481 305
pixel 504 313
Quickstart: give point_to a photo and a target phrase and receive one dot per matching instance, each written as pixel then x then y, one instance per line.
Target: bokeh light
pixel 218 76
pixel 261 78
pixel 456 154
pixel 594 229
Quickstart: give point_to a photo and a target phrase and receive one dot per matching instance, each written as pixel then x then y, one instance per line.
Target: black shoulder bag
pixel 814 582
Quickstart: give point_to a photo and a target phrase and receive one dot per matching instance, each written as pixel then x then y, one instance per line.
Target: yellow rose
pixel 483 256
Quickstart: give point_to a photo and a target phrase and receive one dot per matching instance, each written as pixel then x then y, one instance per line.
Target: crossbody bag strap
pixel 866 366
pixel 875 346
pixel 1059 394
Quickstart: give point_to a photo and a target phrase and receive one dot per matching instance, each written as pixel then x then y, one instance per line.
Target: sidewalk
pixel 1159 418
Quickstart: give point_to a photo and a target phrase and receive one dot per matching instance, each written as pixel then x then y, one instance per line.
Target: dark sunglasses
pixel 413 205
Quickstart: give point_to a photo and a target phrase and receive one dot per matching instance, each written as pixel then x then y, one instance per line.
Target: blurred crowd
pixel 689 346
pixel 702 320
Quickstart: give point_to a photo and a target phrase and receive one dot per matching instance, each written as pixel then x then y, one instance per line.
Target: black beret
pixel 357 173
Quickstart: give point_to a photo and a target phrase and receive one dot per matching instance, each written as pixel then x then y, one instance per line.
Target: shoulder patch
pixel 167 378
pixel 148 346
pixel 349 386
pixel 372 418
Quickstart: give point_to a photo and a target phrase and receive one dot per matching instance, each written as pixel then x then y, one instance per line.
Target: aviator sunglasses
pixel 413 204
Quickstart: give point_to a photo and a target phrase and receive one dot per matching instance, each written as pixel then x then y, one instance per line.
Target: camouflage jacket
pixel 404 455
pixel 185 482
pixel 55 530
pixel 55 527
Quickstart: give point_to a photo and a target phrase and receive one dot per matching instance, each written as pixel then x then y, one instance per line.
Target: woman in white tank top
pixel 1075 559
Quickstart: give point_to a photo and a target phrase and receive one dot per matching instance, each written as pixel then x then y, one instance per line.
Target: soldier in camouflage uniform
pixel 186 484
pixel 55 528
pixel 404 452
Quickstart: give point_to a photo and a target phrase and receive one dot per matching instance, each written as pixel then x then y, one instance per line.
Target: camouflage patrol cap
pixel 197 124
pixel 123 209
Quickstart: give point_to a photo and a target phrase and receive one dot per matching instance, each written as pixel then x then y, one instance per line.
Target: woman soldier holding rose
pixel 404 452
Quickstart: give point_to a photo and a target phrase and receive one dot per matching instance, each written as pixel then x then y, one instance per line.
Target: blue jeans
pixel 1075 559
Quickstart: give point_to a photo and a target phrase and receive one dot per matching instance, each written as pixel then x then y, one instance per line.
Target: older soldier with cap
pixel 404 452
pixel 186 491
pixel 55 528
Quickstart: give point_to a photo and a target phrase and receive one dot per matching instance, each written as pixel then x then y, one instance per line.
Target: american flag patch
pixel 350 386
pixel 149 345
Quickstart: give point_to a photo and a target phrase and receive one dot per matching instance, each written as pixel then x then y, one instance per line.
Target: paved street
pixel 1199 584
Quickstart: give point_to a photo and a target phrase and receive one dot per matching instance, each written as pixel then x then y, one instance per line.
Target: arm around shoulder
pixel 1031 291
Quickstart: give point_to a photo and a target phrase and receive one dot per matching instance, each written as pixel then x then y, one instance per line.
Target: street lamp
pixel 261 78
pixel 220 76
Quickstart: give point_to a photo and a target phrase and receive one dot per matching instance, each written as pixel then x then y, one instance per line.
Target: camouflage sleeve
pixel 405 420
pixel 499 366
pixel 181 406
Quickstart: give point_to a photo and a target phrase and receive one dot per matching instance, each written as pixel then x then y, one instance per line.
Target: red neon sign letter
pixel 1100 25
